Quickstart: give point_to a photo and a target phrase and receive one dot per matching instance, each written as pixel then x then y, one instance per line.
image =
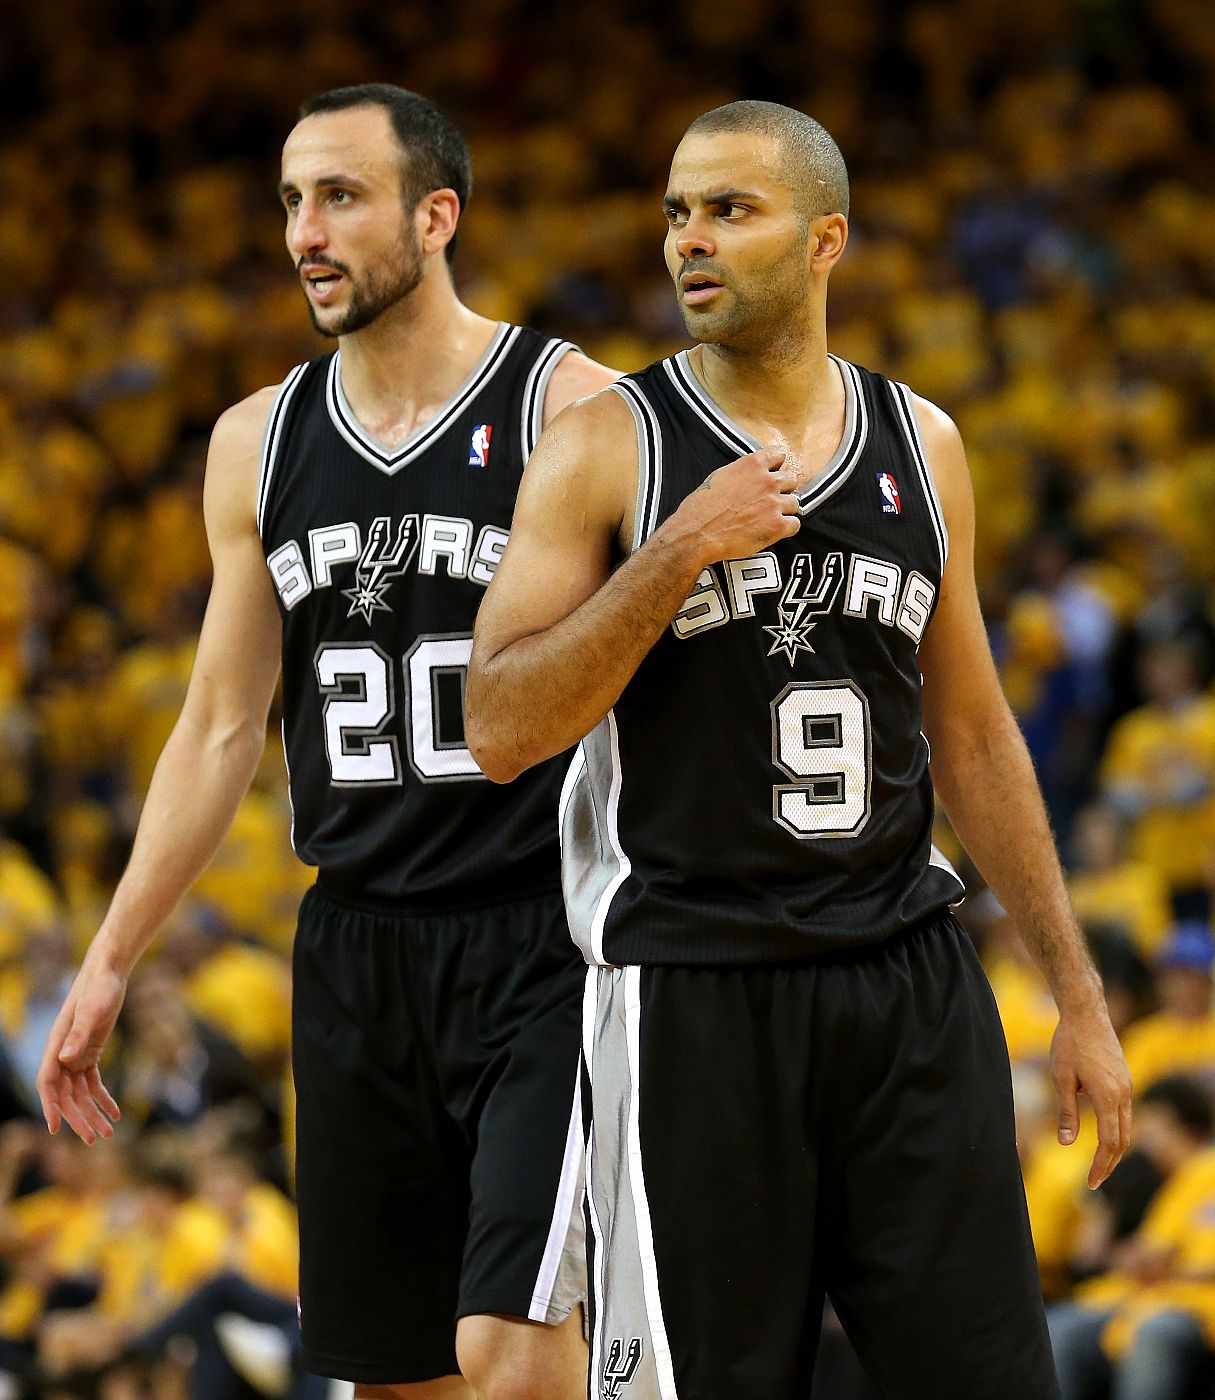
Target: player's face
pixel 349 233
pixel 737 244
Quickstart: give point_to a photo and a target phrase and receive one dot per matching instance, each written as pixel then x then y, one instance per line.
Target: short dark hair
pixel 436 154
pixel 811 158
pixel 1187 1100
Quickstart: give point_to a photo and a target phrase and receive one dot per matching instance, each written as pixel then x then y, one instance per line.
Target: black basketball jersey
pixel 380 559
pixel 760 791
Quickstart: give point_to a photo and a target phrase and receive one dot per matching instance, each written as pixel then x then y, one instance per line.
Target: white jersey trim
pixel 391 462
pixel 535 391
pixel 563 1210
pixel 941 861
pixel 625 865
pixel 641 1202
pixel 596 1279
pixel 737 439
pixel 271 437
pixel 649 460
pixel 905 411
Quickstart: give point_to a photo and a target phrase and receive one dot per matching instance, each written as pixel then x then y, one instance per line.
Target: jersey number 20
pixel 356 680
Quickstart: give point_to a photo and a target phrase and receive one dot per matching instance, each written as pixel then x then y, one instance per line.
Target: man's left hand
pixel 1085 1058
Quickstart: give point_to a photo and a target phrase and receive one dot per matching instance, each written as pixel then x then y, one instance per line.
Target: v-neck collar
pixel 737 439
pixel 391 461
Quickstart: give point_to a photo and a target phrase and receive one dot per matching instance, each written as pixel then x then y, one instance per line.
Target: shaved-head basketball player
pixel 743 579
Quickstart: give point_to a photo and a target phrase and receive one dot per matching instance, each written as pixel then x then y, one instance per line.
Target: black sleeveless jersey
pixel 380 559
pixel 760 791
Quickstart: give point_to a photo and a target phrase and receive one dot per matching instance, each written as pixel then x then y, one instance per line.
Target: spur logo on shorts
pixel 621 1365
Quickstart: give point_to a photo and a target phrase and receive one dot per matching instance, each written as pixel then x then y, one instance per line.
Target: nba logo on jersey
pixel 478 445
pixel 891 504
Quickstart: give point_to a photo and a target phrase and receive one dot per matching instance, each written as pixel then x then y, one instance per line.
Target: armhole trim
pixel 271 440
pixel 649 460
pixel 535 391
pixel 905 409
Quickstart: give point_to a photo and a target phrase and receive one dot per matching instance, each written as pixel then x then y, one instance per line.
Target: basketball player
pixel 356 514
pixel 798 1077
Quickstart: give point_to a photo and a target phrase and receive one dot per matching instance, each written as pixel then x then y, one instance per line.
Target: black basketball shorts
pixel 764 1136
pixel 439 1132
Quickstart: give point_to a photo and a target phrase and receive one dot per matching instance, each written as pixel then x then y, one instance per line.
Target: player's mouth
pixel 321 283
pixel 698 287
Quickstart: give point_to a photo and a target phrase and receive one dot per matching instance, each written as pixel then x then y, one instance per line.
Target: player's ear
pixel 436 217
pixel 828 238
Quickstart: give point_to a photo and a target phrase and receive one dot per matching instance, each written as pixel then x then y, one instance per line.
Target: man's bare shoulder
pixel 938 428
pixel 946 461
pixel 239 430
pixel 234 459
pixel 575 376
pixel 591 422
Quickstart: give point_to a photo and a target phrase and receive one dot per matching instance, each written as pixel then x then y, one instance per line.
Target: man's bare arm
pixel 985 780
pixel 559 634
pixel 203 772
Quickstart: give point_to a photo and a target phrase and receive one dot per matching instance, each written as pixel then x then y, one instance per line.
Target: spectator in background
pixel 1159 772
pixel 173 1066
pixel 1112 889
pixel 1180 1037
pixel 187 1226
pixel 1060 630
pixel 52 1236
pixel 1148 1324
pixel 31 993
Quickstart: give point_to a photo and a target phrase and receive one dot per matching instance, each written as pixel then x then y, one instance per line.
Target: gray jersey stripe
pixel 534 392
pixel 648 440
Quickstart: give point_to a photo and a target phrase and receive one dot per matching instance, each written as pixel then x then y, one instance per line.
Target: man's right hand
pixel 69 1080
pixel 740 508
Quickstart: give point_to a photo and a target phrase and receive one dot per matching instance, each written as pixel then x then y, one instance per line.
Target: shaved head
pixel 811 161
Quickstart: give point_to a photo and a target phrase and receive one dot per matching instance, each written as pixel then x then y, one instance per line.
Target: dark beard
pixel 380 289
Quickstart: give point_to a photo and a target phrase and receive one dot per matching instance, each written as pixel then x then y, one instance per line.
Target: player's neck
pixel 785 385
pixel 398 372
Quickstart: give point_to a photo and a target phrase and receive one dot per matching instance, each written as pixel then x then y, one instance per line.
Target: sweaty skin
pixel 560 634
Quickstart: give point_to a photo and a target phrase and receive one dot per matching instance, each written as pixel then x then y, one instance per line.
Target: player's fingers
pixel 101 1095
pixel 1109 1140
pixel 771 457
pixel 48 1098
pixel 1069 1112
pixel 88 1109
pixel 72 1114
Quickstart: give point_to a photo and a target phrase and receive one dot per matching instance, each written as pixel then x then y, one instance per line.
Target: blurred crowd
pixel 1033 246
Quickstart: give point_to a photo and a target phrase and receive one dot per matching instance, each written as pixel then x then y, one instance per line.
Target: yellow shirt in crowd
pixel 1181 1220
pixel 1148 751
pixel 1168 1044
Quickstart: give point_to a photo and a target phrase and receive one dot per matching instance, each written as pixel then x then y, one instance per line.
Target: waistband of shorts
pixel 428 907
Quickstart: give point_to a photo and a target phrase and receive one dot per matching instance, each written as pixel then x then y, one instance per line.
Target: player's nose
pixel 306 232
pixel 695 239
